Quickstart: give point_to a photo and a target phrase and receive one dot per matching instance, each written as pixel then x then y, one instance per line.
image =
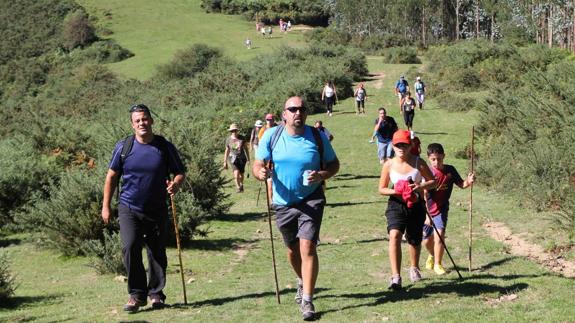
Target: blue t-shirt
pixel 401 86
pixel 292 155
pixel 145 173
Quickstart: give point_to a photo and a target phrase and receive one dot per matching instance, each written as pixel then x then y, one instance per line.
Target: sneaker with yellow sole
pixel 429 262
pixel 439 270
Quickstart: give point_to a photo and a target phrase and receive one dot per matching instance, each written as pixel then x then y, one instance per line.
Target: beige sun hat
pixel 233 127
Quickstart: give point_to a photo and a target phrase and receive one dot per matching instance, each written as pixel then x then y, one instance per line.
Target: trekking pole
pixel 259 192
pixel 471 198
pixel 442 242
pixel 272 241
pixel 178 245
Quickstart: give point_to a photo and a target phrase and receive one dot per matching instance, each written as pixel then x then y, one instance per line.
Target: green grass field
pixel 231 268
pixel 154 31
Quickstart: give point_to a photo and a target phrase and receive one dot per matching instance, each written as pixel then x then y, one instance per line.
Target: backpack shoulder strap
pixel 319 144
pixel 163 145
pixel 126 149
pixel 274 140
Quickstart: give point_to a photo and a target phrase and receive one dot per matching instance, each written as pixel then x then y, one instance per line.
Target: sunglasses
pixel 402 146
pixel 295 109
pixel 139 108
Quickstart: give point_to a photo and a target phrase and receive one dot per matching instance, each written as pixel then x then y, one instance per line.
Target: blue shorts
pixel 440 222
pixel 384 150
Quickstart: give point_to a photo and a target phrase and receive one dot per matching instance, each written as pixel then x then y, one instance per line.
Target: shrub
pixel 460 101
pixel 105 51
pixel 70 215
pixel 106 254
pixel 400 55
pixel 78 31
pixel 7 282
pixel 189 62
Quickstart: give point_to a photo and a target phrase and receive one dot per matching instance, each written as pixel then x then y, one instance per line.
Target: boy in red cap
pixel 405 212
pixel 438 204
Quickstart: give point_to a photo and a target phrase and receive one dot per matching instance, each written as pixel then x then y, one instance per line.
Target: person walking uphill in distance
pixel 405 212
pixel 237 152
pixel 144 161
pixel 298 153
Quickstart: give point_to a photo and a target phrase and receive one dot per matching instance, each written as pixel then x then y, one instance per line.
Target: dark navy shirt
pixel 145 173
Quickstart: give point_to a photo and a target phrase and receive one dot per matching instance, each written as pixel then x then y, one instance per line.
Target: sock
pixel 299 282
pixel 307 297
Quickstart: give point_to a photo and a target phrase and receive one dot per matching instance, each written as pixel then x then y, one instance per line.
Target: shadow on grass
pixel 8 242
pixel 347 177
pixel 244 217
pixel 17 301
pixel 497 263
pixel 341 186
pixel 217 244
pixel 348 203
pixel 463 289
pixel 224 300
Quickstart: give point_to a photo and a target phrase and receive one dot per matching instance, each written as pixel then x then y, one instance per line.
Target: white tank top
pixel 415 175
pixel 328 91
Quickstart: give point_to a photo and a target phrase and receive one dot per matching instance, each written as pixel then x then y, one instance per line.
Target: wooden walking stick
pixel 259 192
pixel 178 245
pixel 272 241
pixel 471 198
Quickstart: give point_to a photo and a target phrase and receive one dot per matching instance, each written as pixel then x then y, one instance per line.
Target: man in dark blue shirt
pixel 143 211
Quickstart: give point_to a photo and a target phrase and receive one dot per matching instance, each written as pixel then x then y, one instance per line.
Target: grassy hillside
pixel 154 31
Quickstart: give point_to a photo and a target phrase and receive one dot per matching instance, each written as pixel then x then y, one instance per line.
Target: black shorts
pixel 239 165
pixel 302 220
pixel 404 219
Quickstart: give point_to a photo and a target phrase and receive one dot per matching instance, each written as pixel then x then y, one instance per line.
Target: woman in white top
pixel 405 212
pixel 329 96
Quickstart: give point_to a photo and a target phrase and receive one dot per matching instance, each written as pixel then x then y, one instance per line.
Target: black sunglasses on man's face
pixel 295 109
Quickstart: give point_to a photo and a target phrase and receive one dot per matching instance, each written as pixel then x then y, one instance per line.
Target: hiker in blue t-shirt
pixel 300 165
pixel 401 87
pixel 143 212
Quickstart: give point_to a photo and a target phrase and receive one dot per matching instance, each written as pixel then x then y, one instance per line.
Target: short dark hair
pixel 319 121
pixel 435 148
pixel 140 108
pixel 382 109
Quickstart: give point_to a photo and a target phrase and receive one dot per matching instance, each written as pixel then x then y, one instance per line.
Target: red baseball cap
pixel 269 116
pixel 401 137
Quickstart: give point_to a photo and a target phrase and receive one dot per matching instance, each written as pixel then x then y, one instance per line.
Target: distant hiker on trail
pixel 401 88
pixel 385 127
pixel 407 109
pixel 144 161
pixel 269 31
pixel 289 25
pixel 319 126
pixel 329 96
pixel 303 158
pixel 360 97
pixel 237 152
pixel 419 91
pixel 248 43
pixel 254 139
pixel 263 31
pixel 270 123
pixel 438 204
pixel 410 176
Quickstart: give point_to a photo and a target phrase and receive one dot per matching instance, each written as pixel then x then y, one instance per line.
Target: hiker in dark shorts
pixel 298 153
pixel 407 109
pixel 409 175
pixel 237 153
pixel 360 96
pixel 329 96
pixel 143 210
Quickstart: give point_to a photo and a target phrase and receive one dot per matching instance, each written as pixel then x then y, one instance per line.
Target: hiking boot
pixel 157 302
pixel 414 274
pixel 298 294
pixel 395 283
pixel 429 262
pixel 133 305
pixel 439 270
pixel 307 311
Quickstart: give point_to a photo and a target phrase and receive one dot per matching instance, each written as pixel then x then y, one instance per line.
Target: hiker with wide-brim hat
pixel 302 159
pixel 405 212
pixel 142 211
pixel 237 153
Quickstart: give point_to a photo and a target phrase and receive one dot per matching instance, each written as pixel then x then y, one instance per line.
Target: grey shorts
pixel 302 220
